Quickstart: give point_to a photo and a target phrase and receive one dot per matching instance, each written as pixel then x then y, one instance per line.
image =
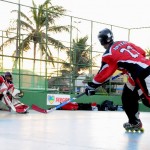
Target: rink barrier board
pixel 39 98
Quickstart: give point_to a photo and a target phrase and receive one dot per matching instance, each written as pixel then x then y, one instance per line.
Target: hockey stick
pixel 36 108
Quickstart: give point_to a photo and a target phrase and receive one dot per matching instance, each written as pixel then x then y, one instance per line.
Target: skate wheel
pixel 142 130
pixel 135 131
pixel 128 130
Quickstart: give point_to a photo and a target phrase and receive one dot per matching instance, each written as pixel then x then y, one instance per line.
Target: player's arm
pixel 103 75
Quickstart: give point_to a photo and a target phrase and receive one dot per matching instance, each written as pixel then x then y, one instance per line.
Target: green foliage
pixel 78 56
pixel 36 29
pixel 148 53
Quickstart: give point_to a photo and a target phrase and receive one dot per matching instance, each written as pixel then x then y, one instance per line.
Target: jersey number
pixel 128 49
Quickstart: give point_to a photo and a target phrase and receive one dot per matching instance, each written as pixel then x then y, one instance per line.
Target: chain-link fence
pixel 49 51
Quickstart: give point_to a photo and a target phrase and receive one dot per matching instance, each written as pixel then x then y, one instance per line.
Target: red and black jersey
pixel 124 56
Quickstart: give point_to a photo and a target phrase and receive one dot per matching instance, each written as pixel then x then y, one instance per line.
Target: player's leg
pixel 14 104
pixel 131 107
pixel 143 82
pixel 3 106
pixel 20 107
pixel 15 99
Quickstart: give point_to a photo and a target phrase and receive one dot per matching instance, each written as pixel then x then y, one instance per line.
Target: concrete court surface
pixel 71 130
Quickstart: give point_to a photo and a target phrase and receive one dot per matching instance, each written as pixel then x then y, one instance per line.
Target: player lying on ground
pixel 130 59
pixel 10 96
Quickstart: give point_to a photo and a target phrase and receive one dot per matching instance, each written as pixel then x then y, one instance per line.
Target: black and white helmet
pixel 8 74
pixel 105 36
pixel 8 77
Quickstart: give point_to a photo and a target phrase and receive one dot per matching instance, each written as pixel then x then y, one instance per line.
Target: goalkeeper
pixel 9 95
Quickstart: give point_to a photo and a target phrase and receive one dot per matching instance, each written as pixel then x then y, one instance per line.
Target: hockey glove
pixel 21 94
pixel 90 88
pixel 5 92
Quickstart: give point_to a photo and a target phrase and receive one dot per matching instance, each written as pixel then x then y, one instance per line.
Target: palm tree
pixel 80 55
pixel 78 59
pixel 36 30
pixel 148 53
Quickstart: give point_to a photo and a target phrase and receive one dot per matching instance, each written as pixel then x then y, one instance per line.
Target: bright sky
pixel 127 13
pixel 118 12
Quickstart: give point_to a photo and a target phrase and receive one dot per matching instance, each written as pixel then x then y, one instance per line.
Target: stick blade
pixel 36 108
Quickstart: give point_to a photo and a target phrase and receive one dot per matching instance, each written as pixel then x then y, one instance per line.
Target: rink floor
pixel 71 130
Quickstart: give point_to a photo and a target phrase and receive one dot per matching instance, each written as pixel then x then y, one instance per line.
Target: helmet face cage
pixel 105 36
pixel 8 76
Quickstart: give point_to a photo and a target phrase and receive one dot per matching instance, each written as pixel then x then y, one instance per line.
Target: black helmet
pixel 105 36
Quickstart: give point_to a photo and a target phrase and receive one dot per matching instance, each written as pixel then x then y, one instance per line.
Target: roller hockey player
pixel 130 59
pixel 10 96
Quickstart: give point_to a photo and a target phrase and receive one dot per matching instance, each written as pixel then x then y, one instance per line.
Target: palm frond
pixel 44 5
pixel 25 44
pixel 8 42
pixel 23 15
pixel 34 28
pixel 26 25
pixel 59 28
pixel 57 44
pixel 46 51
